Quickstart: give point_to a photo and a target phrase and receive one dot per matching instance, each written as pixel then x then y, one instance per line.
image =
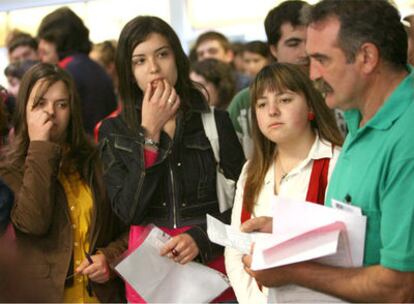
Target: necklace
pixel 284 173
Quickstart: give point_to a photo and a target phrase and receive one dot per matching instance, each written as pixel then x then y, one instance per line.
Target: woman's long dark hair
pixel 135 32
pixel 78 149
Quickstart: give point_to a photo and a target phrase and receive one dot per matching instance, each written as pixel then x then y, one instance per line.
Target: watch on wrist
pixel 152 143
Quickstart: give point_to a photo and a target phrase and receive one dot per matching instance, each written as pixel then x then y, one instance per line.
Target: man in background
pixel 67 34
pixel 215 45
pixel 22 46
pixel 286 37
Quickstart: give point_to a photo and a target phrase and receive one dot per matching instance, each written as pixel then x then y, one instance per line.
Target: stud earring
pixel 311 116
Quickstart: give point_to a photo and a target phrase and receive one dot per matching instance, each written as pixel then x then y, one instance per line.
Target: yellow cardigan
pixel 79 198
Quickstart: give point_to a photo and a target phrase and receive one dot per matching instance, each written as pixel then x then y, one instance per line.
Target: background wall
pixel 240 20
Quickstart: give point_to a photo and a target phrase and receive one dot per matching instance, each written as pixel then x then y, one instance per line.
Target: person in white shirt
pixel 296 145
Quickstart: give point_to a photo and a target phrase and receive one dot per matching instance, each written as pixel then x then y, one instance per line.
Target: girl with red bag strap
pixel 296 145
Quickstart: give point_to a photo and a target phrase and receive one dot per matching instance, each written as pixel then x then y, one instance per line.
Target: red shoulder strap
pixel 98 125
pixel 318 181
pixel 245 215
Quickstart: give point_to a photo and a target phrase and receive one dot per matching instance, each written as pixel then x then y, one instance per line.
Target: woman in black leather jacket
pixel 159 164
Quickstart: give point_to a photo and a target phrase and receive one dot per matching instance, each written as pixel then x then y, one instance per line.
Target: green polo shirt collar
pixel 395 105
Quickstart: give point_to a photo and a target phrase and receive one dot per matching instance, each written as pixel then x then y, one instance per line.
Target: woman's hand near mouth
pixel 159 106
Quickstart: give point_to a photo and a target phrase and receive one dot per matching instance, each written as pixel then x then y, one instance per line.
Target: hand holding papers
pixel 225 235
pixel 159 279
pixel 308 231
pixel 304 231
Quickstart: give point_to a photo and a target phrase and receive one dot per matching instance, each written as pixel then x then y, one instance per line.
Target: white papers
pixel 160 279
pixel 304 231
pixel 279 251
pixel 226 235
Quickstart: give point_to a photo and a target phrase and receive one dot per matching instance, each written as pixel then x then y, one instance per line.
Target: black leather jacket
pixel 180 188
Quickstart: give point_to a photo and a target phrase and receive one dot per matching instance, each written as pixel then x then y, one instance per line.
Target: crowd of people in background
pixel 97 141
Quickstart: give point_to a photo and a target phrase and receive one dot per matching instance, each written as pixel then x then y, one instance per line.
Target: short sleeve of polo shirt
pixel 397 217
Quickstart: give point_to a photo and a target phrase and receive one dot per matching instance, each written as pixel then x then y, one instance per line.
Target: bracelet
pixel 152 143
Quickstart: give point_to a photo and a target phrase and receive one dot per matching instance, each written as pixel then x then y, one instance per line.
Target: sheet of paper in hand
pixel 226 235
pixel 160 279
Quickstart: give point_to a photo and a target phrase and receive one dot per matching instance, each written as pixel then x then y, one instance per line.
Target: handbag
pixel 225 187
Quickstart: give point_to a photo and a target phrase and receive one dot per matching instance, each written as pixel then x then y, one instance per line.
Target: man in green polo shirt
pixel 358 50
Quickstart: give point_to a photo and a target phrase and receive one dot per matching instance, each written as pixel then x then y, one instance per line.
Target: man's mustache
pixel 323 87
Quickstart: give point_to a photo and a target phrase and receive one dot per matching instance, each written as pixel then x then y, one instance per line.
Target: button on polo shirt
pixel 376 170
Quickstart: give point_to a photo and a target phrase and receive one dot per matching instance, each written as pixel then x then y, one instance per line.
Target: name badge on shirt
pixel 346 207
